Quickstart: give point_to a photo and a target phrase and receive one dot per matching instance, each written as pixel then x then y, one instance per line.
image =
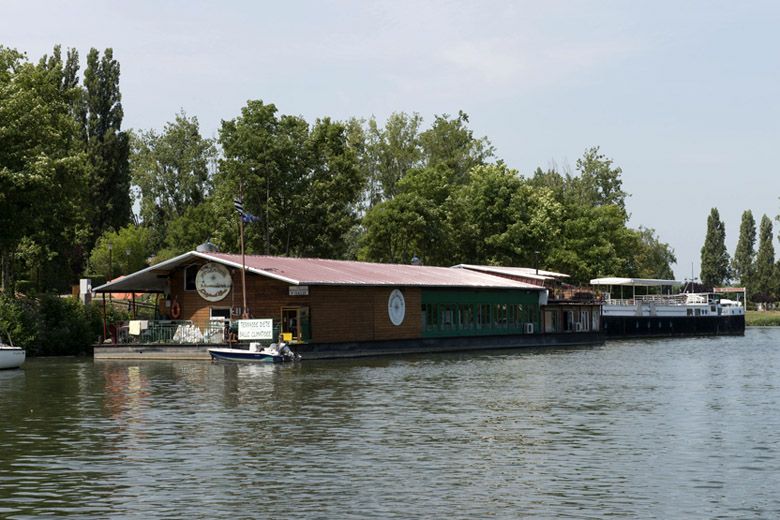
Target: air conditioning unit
pixel 578 327
pixel 529 328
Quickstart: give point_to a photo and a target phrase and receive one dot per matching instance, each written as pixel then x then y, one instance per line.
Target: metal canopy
pixel 634 282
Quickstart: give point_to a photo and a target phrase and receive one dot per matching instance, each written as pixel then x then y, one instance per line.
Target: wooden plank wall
pixel 338 313
pixel 360 314
pixel 265 297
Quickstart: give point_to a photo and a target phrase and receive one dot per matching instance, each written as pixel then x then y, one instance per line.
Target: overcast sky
pixel 683 96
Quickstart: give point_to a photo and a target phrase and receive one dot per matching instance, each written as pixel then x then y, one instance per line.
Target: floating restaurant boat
pixel 659 314
pixel 333 308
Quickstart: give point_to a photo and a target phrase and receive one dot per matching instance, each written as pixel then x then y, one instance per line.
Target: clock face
pixel 396 307
pixel 213 282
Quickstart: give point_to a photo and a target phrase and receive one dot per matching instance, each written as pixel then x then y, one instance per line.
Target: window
pixel 568 321
pixel 430 316
pixel 190 272
pixel 551 321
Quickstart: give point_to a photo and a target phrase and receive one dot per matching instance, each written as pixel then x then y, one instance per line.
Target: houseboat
pixel 332 308
pixel 636 307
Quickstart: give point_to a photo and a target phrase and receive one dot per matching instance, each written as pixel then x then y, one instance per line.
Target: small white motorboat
pixel 274 353
pixel 10 356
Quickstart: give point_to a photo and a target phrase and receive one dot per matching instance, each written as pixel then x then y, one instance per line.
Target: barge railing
pixel 174 332
pixel 663 299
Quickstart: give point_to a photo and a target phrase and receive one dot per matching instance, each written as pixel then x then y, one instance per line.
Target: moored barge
pixel 663 314
pixel 332 308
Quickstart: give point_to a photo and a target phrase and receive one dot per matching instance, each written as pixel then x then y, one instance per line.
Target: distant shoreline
pixel 762 318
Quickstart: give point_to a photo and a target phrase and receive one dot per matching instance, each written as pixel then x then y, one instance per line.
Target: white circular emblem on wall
pixel 213 282
pixel 396 307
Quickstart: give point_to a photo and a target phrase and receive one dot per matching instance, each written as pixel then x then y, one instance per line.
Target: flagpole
pixel 245 314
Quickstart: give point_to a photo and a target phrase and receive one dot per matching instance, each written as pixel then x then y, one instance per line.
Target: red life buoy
pixel 175 309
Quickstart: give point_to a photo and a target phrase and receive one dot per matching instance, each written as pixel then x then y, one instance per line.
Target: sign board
pixel 396 307
pixel 255 329
pixel 299 290
pixel 213 282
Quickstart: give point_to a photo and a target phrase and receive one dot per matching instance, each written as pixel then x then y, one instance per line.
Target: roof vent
pixel 207 247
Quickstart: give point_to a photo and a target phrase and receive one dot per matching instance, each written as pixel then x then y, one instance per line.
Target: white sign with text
pixel 256 329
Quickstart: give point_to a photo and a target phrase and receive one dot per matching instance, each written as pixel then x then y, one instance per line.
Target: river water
pixel 679 428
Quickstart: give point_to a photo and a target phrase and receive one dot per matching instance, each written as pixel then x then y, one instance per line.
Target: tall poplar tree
pixel 745 254
pixel 765 260
pixel 714 256
pixel 107 146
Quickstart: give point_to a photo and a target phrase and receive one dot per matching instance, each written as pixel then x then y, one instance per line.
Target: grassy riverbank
pixel 762 318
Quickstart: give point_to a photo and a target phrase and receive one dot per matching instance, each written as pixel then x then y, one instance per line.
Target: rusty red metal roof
pixel 524 272
pixel 316 271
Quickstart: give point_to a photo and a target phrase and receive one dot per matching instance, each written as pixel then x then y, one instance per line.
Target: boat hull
pixel 354 349
pixel 11 357
pixel 670 326
pixel 244 356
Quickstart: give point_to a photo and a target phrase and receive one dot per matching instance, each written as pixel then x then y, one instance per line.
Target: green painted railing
pixel 168 332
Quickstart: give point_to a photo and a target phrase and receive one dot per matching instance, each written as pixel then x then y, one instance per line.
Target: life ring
pixel 176 309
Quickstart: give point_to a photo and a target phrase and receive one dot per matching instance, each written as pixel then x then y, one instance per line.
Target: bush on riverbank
pixel 53 326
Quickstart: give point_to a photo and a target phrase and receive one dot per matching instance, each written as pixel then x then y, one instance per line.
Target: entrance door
pixel 290 320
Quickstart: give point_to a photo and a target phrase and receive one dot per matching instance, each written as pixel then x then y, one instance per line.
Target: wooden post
pixel 245 312
pixel 104 317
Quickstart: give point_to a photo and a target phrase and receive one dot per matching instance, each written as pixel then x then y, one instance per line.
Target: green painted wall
pixel 454 312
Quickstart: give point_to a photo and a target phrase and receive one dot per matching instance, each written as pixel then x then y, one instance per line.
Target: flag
pixel 246 218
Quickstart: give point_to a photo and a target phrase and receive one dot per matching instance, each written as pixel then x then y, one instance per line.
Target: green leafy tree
pixel 173 172
pixel 399 229
pixel 130 238
pixel 303 183
pixel 394 150
pixel 330 193
pixel 654 258
pixel 450 143
pixel 714 256
pixel 107 146
pixel 39 167
pixel 491 208
pixel 745 254
pixel 198 224
pixel 765 261
pixel 599 184
pixel 250 160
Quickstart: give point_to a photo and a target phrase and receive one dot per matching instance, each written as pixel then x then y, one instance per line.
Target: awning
pixel 635 282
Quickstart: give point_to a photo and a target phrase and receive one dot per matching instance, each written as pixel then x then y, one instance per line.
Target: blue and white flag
pixel 248 218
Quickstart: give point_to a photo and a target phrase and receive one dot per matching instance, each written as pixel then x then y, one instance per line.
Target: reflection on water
pixel 640 429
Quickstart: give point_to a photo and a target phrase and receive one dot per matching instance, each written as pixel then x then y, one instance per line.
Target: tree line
pixel 753 268
pixel 356 189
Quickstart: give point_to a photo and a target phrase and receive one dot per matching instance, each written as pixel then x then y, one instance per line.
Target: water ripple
pixel 639 429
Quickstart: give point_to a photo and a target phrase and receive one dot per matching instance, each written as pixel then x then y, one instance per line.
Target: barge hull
pixel 673 326
pixel 365 348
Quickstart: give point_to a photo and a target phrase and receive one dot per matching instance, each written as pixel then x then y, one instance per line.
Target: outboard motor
pixel 287 352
